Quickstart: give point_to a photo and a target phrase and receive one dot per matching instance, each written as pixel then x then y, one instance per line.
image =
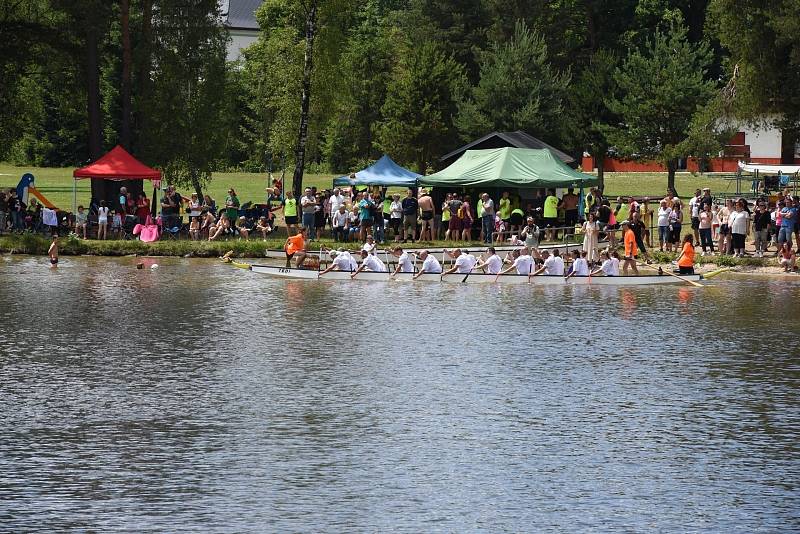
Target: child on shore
pixel 52 252
pixel 102 221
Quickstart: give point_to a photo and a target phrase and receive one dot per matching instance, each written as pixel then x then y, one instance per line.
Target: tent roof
pixel 508 167
pixel 384 172
pixel 769 169
pixel 518 139
pixel 118 164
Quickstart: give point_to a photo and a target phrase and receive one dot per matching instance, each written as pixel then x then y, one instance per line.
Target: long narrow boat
pixel 563 247
pixel 472 278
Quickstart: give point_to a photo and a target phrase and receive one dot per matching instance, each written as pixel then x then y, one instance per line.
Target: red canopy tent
pixel 116 165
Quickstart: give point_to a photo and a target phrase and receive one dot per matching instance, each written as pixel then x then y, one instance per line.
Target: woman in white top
pixel 102 220
pixel 664 212
pixel 396 216
pixel 738 222
pixel 580 267
pixel 591 229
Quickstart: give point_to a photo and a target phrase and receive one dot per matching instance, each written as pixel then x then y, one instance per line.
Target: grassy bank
pixel 56 184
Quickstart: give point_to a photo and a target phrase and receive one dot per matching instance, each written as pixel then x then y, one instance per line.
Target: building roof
pixel 518 139
pixel 241 14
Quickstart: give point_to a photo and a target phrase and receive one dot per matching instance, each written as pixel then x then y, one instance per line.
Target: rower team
pixel 524 261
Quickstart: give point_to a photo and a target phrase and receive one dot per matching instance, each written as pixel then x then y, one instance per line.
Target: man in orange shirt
pixel 295 247
pixel 629 238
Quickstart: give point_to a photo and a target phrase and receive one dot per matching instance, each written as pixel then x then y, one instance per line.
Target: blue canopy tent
pixel 384 172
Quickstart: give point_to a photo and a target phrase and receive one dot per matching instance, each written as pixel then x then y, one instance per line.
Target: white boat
pixel 472 278
pixel 563 247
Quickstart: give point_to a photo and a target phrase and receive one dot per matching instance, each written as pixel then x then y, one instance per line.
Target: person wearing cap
pixel 308 205
pixel 410 208
pixel 404 263
pixel 429 264
pixel 464 263
pixel 341 261
pixel 370 262
pixel 706 199
pixel 629 241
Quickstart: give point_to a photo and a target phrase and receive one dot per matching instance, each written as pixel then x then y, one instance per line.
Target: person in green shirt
pixel 551 214
pixel 232 205
pixel 505 209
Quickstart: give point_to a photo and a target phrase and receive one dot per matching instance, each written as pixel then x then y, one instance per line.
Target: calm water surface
pixel 197 397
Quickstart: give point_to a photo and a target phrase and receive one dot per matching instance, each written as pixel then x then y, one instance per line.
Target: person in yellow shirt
pixel 629 239
pixel 551 214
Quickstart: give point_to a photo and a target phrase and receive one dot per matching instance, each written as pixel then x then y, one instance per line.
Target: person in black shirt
pixel 761 223
pixel 410 210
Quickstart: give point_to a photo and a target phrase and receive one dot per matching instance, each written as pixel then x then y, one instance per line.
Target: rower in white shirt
pixel 580 267
pixel 523 262
pixel 553 264
pixel 464 264
pixel 370 262
pixel 610 266
pixel 429 264
pixel 492 264
pixel 404 263
pixel 341 261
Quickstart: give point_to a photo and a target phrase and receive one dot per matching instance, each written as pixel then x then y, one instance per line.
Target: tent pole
pixel 74 195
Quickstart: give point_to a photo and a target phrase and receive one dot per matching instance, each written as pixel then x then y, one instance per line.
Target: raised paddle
pixel 695 284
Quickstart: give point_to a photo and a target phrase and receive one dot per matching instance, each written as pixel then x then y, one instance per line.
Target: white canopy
pixel 769 169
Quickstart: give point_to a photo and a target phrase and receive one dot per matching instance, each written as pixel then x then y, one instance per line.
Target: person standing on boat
pixel 492 264
pixel 464 263
pixel 295 248
pixel 404 263
pixel 429 264
pixel 629 241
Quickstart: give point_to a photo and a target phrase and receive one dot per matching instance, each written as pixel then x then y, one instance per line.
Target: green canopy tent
pixel 508 167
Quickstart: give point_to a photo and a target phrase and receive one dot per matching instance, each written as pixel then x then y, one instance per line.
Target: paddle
pixel 695 284
pixel 467 275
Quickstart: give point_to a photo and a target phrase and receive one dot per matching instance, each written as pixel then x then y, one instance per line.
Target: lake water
pixel 198 397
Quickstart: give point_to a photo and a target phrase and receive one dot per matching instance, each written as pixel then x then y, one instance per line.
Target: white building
pixel 239 18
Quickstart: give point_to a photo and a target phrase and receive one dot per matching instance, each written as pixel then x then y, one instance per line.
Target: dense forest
pixel 332 84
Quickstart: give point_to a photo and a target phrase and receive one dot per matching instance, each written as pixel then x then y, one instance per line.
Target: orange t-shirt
pixel 687 259
pixel 630 244
pixel 295 244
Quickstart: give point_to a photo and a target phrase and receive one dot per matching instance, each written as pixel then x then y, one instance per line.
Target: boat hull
pixel 474 278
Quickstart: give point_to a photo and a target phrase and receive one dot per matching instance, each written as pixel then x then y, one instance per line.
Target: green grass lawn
pixel 56 184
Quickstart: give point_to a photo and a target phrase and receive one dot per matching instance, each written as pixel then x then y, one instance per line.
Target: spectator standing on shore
pixel 337 199
pixel 739 223
pixel 664 212
pixel 694 213
pixel 427 215
pixel 569 203
pixel 308 205
pixel 551 203
pixel 723 215
pixel 704 227
pixel 102 220
pixel 81 222
pixel 209 204
pixel 487 221
pixel 761 224
pixel 142 207
pixel 232 205
pixel 290 213
pixel 410 209
pixel 504 210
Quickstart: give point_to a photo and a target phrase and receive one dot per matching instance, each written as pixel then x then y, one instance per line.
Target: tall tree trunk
pixel 672 164
pixel 125 129
pixel 144 62
pixel 94 112
pixel 600 161
pixel 302 134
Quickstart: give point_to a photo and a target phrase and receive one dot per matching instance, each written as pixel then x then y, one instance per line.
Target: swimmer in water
pixel 53 252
